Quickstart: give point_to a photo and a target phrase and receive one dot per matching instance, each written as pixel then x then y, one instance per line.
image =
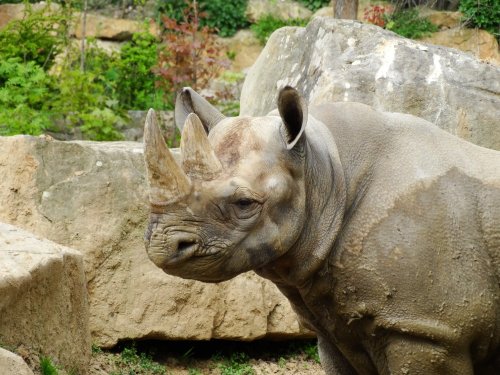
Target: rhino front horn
pixel 198 156
pixel 167 182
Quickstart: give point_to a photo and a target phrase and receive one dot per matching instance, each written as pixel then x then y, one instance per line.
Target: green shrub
pixel 24 91
pixel 264 27
pixel 81 103
pixel 409 24
pixel 136 83
pixel 484 14
pixel 226 17
pixel 35 37
pixel 314 5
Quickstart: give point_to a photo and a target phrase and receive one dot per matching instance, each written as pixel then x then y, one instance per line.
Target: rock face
pixel 44 306
pixel 477 42
pixel 284 9
pixel 109 28
pixel 336 60
pixel 92 197
pixel 11 363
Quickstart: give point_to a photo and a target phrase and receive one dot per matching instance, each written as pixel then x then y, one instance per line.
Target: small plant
pixel 484 14
pixel 190 55
pixel 236 364
pixel 96 349
pixel 47 367
pixel 315 4
pixel 409 24
pixel 139 362
pixel 311 352
pixel 194 371
pixel 376 14
pixel 265 26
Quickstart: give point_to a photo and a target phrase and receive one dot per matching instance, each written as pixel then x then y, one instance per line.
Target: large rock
pixel 44 306
pixel 340 60
pixel 107 28
pixel 92 197
pixel 479 43
pixel 283 9
pixel 246 48
pixel 12 364
pixel 9 12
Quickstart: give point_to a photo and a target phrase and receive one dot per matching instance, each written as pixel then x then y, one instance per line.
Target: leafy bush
pixel 226 17
pixel 190 55
pixel 38 37
pixel 376 14
pixel 136 82
pixel 264 27
pixel 32 100
pixel 484 14
pixel 315 4
pixel 24 89
pixel 409 24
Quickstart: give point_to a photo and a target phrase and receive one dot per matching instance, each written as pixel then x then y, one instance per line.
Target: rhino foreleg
pixel 332 360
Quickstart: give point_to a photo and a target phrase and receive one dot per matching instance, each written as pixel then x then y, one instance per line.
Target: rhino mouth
pixel 189 251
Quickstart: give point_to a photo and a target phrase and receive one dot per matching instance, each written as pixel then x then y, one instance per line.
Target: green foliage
pixel 82 103
pixel 236 364
pixel 96 349
pixel 268 24
pixel 484 14
pixel 314 5
pixel 311 352
pixel 226 17
pixel 409 24
pixel 139 362
pixel 190 55
pixel 38 37
pixel 24 88
pixel 135 81
pixel 47 367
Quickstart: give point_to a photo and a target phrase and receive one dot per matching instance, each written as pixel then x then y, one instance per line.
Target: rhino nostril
pixel 185 245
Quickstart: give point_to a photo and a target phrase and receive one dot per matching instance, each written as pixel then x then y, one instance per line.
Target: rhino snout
pixel 174 248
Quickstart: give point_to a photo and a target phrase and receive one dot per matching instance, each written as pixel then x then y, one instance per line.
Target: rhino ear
pixel 189 101
pixel 293 111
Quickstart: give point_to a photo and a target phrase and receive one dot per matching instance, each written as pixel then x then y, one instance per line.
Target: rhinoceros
pixel 381 229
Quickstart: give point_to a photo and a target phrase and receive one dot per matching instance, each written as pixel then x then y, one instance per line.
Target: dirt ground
pixel 211 358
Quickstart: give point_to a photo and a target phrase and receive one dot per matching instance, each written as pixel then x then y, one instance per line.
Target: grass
pixel 222 357
pixel 236 364
pixel 47 367
pixel 132 362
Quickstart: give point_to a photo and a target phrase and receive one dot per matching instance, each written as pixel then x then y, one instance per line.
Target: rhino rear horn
pixel 189 101
pixel 198 156
pixel 293 111
pixel 167 182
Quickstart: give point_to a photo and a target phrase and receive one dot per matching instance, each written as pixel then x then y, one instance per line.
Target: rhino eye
pixel 245 208
pixel 244 203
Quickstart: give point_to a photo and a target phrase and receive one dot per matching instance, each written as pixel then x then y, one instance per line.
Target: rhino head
pixel 236 199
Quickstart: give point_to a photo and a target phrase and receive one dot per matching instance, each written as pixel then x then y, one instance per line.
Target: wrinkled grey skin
pixel 381 229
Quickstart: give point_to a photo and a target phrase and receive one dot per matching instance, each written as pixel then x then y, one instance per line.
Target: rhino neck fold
pixel 325 194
